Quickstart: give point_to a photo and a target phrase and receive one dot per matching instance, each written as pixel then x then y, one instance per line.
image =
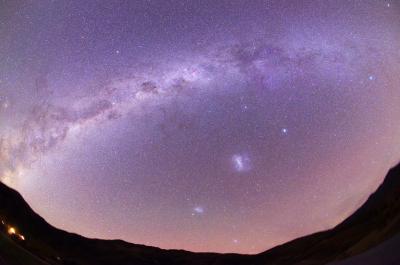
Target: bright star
pixel 284 131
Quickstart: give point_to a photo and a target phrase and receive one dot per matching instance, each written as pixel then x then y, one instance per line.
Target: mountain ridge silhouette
pixel 376 221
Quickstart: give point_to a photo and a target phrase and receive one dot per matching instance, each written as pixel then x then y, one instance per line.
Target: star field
pixel 227 126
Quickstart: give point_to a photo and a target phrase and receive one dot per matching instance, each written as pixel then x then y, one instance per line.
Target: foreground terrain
pixel 368 236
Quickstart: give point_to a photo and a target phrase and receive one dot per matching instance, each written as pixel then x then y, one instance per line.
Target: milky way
pixel 231 126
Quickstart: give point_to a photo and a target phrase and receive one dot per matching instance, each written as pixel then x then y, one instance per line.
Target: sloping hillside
pixel 376 221
pixel 13 254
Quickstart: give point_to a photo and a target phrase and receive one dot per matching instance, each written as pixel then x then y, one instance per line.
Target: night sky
pixel 228 126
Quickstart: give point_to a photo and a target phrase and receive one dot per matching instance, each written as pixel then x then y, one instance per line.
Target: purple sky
pixel 228 126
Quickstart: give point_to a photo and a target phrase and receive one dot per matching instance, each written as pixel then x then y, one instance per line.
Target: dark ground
pixel 387 253
pixel 370 236
pixel 2 262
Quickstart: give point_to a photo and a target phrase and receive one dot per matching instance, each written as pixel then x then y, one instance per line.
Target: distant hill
pixel 374 223
pixel 386 253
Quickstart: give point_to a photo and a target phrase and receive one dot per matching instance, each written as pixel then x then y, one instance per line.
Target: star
pixel 203 127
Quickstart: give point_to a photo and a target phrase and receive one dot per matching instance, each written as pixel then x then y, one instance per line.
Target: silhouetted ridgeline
pixel 376 221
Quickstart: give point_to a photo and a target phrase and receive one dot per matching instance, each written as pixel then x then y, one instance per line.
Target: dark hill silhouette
pixel 374 223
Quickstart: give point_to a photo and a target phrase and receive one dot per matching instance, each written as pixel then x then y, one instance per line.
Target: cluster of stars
pixel 117 113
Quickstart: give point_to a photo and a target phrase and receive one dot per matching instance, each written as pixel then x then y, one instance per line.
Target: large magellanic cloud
pixel 263 65
pixel 228 126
